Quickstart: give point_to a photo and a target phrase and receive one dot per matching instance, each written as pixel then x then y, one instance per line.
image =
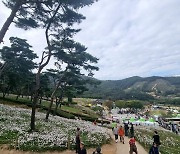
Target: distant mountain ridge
pixel 136 88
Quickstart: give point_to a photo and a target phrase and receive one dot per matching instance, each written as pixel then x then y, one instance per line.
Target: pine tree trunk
pixel 2 67
pixel 57 104
pixel 55 110
pixel 31 97
pixel 51 103
pixel 69 100
pixel 41 66
pixel 9 20
pixel 49 109
pixel 40 101
pixel 56 99
pixel 4 94
pixel 35 100
pixel 17 97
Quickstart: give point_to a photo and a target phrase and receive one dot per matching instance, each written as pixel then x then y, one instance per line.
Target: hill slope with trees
pixel 136 88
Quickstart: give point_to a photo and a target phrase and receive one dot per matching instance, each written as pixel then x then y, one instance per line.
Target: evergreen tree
pixel 76 59
pixel 51 15
pixel 19 65
pixel 37 13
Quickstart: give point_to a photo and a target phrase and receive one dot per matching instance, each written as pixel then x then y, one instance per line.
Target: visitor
pixel 115 132
pixel 102 122
pixel 78 140
pixel 98 151
pixel 156 138
pixel 95 122
pixel 113 124
pixel 173 128
pixel 154 149
pixel 132 130
pixel 82 149
pixel 132 144
pixel 126 128
pixel 121 134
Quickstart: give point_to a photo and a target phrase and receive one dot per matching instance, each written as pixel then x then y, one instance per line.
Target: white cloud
pixel 130 37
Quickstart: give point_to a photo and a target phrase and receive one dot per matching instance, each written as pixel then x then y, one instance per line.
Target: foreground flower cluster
pixel 57 133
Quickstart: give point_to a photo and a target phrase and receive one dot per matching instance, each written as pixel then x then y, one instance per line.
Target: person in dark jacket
pixel 156 138
pixel 98 151
pixel 82 149
pixel 78 140
pixel 126 128
pixel 154 149
pixel 131 130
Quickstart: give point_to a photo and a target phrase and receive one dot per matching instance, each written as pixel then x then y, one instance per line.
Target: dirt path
pixel 106 149
pixel 124 148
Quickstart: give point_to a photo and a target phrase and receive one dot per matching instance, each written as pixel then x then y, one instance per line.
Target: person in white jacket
pixel 115 131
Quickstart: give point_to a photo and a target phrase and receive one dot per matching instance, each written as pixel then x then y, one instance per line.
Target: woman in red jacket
pixel 121 134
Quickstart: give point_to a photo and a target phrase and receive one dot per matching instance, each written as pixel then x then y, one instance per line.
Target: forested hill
pixel 136 88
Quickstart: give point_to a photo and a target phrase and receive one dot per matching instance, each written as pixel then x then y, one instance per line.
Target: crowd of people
pixel 120 132
pixel 175 128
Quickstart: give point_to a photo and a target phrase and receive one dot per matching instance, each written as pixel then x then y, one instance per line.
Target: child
pixel 121 134
pixel 82 149
pixel 132 144
pixel 98 151
pixel 154 149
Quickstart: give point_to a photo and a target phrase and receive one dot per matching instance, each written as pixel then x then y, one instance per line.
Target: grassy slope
pixel 170 142
pixel 65 111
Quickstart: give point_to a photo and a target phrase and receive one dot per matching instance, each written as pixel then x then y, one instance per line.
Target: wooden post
pixel 68 144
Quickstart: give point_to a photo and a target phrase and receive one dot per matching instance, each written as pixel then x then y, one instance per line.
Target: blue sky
pixel 130 37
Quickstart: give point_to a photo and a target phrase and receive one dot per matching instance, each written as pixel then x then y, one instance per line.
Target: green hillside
pixel 136 88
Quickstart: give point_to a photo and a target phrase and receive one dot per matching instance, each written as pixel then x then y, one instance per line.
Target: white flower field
pixel 56 134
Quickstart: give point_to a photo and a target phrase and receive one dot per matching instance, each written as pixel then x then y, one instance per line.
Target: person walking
pixel 132 144
pixel 132 130
pixel 98 151
pixel 115 132
pixel 156 138
pixel 95 122
pixel 113 125
pixel 82 149
pixel 154 149
pixel 121 134
pixel 78 141
pixel 126 128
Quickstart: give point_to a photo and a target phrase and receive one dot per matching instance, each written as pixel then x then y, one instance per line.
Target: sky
pixel 130 37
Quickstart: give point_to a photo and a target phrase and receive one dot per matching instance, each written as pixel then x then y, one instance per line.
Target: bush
pixel 60 113
pixel 129 104
pixel 64 114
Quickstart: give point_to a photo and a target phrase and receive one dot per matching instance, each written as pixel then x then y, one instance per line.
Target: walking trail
pixel 112 148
